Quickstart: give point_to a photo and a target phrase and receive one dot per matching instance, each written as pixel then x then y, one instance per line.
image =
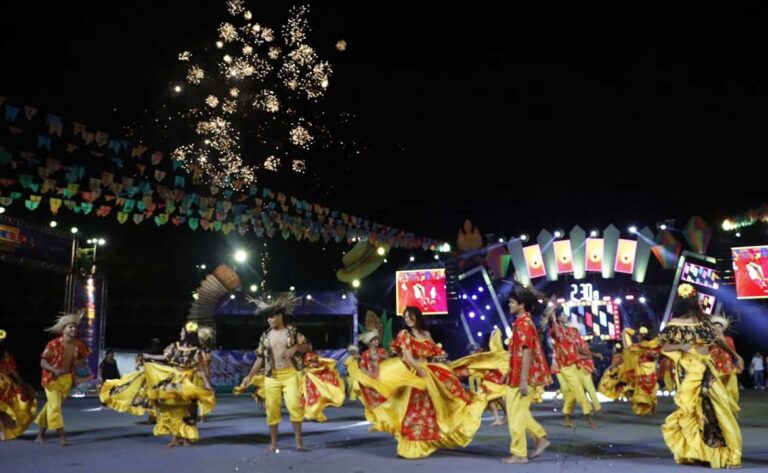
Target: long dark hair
pixel 417 316
pixel 688 305
pixel 191 338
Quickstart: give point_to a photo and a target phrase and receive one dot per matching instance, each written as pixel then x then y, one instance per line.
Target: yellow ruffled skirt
pixel 703 427
pixel 322 387
pixel 17 407
pixel 450 420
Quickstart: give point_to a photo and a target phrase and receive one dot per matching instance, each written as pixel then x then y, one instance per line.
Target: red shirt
pixel 566 346
pixel 524 336
pixel 722 359
pixel 586 362
pixel 370 359
pixel 54 354
pixel 420 349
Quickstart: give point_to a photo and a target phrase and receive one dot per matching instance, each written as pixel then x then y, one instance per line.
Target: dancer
pixel 17 398
pixel 703 426
pixel 58 362
pixel 280 353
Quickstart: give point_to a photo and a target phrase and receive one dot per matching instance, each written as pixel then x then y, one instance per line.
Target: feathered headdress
pixel 64 319
pixel 722 320
pixel 284 304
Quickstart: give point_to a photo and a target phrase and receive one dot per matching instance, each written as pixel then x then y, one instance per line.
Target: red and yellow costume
pixel 57 389
pixel 322 386
pixel 423 414
pixel 17 401
pixel 518 406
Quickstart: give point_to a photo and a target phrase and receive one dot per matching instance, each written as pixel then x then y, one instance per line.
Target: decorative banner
pixel 493 261
pixel 667 250
pixel 534 261
pixel 698 234
pixel 563 256
pixel 625 256
pixel 594 254
pixel 32 245
pixel 126 171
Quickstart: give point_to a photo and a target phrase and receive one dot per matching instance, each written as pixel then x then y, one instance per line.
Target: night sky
pixel 518 118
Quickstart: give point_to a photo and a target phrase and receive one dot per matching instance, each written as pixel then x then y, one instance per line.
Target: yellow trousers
pixel 50 416
pixel 589 387
pixel 283 384
pixel 520 421
pixel 574 379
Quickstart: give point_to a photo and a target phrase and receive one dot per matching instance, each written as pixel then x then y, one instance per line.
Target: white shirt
pixel 757 363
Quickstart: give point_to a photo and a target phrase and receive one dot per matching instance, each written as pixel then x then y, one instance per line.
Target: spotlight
pixel 482 317
pixel 177 89
pixel 254 288
pixel 73 230
pixel 356 283
pixel 232 297
pixel 202 266
pixel 479 334
pixel 2 210
pixel 617 300
pixel 738 235
pixel 487 307
pixel 344 296
pixel 474 297
pixel 241 256
pixel 480 289
pixel 53 223
pixel 630 297
pixel 633 229
pixel 471 315
pixel 309 297
pixel 102 242
pixel 437 257
pixel 524 237
pixel 292 288
pixel 446 248
pixel 464 296
pixel 594 233
pixel 501 240
pixel 412 259
pixel 559 233
pixel 381 251
pixel 642 299
pixel 663 226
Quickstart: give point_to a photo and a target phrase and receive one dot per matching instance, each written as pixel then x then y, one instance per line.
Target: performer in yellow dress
pixel 640 357
pixel 166 387
pixel 426 406
pixel 611 383
pixel 486 368
pixel 322 386
pixel 703 427
pixel 17 399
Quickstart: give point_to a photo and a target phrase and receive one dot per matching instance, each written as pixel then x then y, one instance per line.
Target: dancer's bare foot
pixel 497 422
pixel 300 447
pixel 542 445
pixel 567 421
pixel 63 443
pixel 174 443
pixel 591 421
pixel 514 459
pixel 273 448
pixel 40 439
pixel 186 443
pixel 597 413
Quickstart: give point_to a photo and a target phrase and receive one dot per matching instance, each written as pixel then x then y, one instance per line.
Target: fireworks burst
pixel 256 91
